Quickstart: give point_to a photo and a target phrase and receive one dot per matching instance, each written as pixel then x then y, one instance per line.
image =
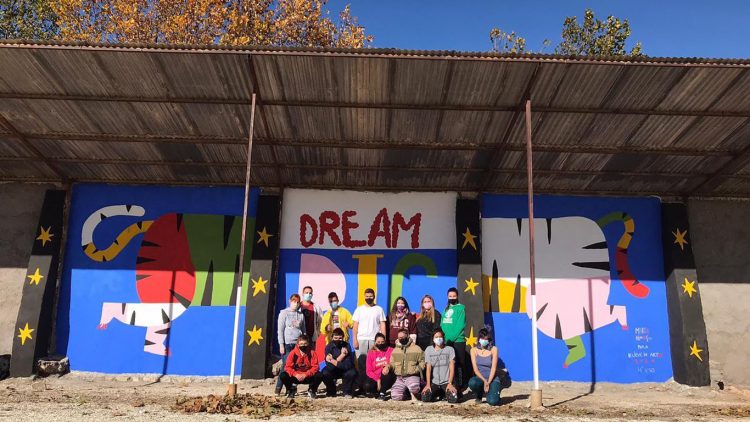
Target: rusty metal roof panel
pixel 661 131
pixel 11 146
pixel 586 86
pixel 473 127
pixel 642 87
pixel 710 132
pixel 699 89
pixel 487 83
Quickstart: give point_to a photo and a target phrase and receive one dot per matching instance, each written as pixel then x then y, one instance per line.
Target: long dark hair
pixel 393 308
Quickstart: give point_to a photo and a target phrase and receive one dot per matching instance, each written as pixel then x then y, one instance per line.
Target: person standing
pixel 440 361
pixel 313 315
pixel 453 325
pixel 427 321
pixel 369 319
pixel 301 368
pixel 377 383
pixel 290 326
pixel 339 360
pixel 401 318
pixel 490 375
pixel 407 363
pixel 336 317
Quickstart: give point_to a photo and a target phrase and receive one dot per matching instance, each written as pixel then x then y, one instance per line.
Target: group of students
pixel 417 356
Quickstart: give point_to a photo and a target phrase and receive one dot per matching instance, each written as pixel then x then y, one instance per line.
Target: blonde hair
pixel 429 314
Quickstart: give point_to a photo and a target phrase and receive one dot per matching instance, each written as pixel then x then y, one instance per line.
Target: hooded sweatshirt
pixel 290 325
pixel 407 360
pixel 376 360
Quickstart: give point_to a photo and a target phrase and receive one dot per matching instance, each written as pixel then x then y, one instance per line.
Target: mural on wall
pixel 601 301
pixel 399 244
pixel 163 259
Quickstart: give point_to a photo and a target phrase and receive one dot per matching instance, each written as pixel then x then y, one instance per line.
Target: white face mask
pixel 438 341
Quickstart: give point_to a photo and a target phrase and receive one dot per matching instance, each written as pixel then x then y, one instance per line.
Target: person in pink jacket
pixel 376 383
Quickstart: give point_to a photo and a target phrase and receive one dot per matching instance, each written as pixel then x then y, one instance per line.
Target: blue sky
pixel 688 28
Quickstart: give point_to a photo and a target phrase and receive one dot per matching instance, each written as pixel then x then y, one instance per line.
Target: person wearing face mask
pixel 490 374
pixel 290 326
pixel 336 317
pixel 407 363
pixel 313 315
pixel 453 324
pixel 369 319
pixel 376 384
pixel 440 360
pixel 301 368
pixel 339 360
pixel 401 318
pixel 427 321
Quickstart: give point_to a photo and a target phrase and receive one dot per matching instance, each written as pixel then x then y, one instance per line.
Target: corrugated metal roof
pixel 377 119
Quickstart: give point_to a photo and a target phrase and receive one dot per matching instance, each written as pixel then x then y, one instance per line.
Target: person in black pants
pixel 339 364
pixel 375 383
pixel 301 368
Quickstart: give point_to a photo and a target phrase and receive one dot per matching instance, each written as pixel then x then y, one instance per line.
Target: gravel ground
pixel 90 397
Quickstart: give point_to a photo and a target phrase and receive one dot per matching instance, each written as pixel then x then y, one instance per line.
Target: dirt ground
pixel 88 397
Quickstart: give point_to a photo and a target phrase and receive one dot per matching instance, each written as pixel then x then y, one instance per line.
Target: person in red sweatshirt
pixel 302 367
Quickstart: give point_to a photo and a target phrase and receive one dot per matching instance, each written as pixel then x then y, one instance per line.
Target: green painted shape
pixel 610 218
pixel 206 239
pixel 576 350
pixel 405 263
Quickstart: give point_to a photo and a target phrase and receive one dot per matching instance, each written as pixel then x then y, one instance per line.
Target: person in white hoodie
pixel 291 325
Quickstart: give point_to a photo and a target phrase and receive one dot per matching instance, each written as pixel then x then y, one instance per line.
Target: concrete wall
pixel 721 244
pixel 19 215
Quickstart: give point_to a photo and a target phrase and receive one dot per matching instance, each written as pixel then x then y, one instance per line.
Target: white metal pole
pixel 536 394
pixel 238 277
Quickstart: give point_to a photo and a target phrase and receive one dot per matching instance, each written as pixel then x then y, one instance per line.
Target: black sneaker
pixel 381 396
pixel 312 394
pixel 290 393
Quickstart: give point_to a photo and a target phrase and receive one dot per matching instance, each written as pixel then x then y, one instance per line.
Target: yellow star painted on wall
pixel 35 278
pixel 471 285
pixel 471 341
pixel 255 335
pixel 679 238
pixel 259 286
pixel 25 333
pixel 45 235
pixel 469 239
pixel 264 236
pixel 689 287
pixel 695 351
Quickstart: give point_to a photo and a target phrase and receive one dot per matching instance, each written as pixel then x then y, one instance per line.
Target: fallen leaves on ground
pixel 254 405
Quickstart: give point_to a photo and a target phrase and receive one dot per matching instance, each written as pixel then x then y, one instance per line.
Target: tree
pixel 27 19
pixel 592 38
pixel 226 22
pixel 596 37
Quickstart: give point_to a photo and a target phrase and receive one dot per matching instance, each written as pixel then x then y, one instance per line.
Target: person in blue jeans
pixel 490 374
pixel 291 325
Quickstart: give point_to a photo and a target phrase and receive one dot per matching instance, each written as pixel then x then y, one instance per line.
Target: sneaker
pixel 290 393
pixel 348 396
pixel 277 391
pixel 478 399
pixel 381 396
pixel 312 394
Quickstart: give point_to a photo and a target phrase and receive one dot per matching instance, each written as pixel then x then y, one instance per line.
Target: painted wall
pixel 721 243
pixel 18 227
pixel 400 244
pixel 147 283
pixel 596 323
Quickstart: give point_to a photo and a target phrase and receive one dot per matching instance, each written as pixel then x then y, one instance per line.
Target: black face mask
pixel 303 348
pixel 404 341
pixel 452 301
pixel 382 346
pixel 339 343
pixel 369 301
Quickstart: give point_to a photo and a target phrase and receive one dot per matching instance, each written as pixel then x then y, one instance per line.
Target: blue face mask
pixel 334 305
pixel 307 297
pixel 484 342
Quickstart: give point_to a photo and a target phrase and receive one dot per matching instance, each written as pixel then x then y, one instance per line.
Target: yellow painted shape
pixel 367 275
pixel 507 290
pixel 114 249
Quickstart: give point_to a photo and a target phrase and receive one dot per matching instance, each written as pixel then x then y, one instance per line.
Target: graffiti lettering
pixel 339 229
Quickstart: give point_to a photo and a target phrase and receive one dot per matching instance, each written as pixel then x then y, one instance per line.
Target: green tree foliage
pixel 592 37
pixel 27 19
pixel 595 37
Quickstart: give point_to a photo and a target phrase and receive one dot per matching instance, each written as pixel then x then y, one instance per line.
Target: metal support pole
pixel 536 393
pixel 232 387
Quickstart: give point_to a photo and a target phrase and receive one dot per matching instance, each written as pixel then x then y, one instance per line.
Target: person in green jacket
pixel 453 324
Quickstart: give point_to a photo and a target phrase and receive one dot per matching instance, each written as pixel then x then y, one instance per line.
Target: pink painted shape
pixel 567 299
pixel 324 276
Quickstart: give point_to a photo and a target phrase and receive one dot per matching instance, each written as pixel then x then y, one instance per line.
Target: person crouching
pixel 301 368
pixel 339 365
pixel 407 362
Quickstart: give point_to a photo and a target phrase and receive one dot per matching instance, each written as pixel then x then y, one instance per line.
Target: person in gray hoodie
pixel 290 326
